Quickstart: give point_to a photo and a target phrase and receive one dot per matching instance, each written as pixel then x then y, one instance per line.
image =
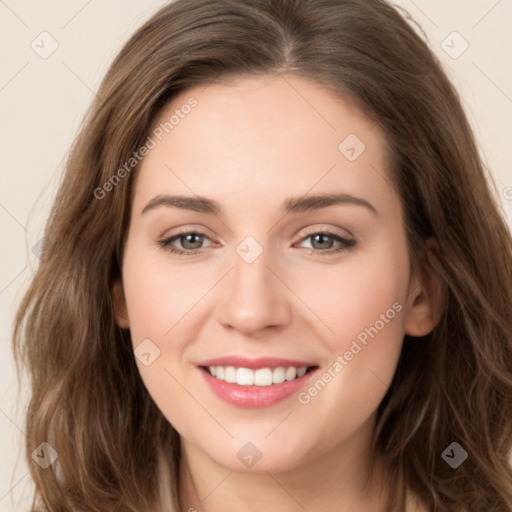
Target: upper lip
pixel 254 364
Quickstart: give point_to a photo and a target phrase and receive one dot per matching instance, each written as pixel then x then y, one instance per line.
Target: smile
pixel 261 377
pixel 255 383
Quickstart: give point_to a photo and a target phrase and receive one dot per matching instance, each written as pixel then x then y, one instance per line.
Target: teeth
pixel 291 373
pixel 260 377
pixel 230 374
pixel 244 377
pixel 278 375
pixel 263 377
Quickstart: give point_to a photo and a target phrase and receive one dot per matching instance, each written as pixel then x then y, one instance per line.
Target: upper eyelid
pixel 328 231
pixel 308 234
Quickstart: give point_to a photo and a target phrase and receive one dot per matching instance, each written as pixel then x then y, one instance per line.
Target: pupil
pixel 187 241
pixel 322 240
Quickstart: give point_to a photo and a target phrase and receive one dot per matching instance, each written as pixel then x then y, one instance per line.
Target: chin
pixel 256 454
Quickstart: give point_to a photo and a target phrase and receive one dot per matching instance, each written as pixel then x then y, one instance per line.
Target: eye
pixel 190 241
pixel 324 243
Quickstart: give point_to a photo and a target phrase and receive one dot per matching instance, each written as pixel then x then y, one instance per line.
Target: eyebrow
pixel 291 205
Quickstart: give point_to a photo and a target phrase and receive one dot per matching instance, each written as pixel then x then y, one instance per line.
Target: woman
pixel 275 278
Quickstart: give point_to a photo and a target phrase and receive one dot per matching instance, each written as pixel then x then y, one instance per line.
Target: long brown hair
pixel 454 385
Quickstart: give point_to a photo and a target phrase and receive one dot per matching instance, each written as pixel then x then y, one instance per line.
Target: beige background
pixel 42 101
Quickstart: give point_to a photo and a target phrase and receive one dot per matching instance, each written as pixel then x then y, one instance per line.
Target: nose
pixel 253 300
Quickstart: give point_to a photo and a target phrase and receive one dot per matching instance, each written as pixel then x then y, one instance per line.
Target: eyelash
pixel 346 244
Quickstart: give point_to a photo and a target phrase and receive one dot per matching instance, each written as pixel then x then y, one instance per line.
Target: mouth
pixel 261 377
pixel 255 383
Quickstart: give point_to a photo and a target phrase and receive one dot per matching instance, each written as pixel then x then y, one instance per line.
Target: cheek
pixel 363 303
pixel 158 295
pixel 160 302
pixel 357 294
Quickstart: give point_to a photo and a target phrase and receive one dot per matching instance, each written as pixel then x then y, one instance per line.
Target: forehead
pixel 262 137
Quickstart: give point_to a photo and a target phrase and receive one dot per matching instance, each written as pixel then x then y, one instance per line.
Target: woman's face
pixel 300 264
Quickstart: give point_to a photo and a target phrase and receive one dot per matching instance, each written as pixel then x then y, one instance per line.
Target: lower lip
pixel 254 397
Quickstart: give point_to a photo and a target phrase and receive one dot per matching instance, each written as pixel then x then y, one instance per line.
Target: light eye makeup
pixel 335 242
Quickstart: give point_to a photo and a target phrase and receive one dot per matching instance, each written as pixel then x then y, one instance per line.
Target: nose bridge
pixel 254 298
pixel 251 277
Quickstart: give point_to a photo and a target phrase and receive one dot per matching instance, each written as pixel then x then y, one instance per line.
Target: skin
pixel 249 144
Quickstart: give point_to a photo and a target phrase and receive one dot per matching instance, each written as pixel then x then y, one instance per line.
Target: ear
pixel 426 295
pixel 120 309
